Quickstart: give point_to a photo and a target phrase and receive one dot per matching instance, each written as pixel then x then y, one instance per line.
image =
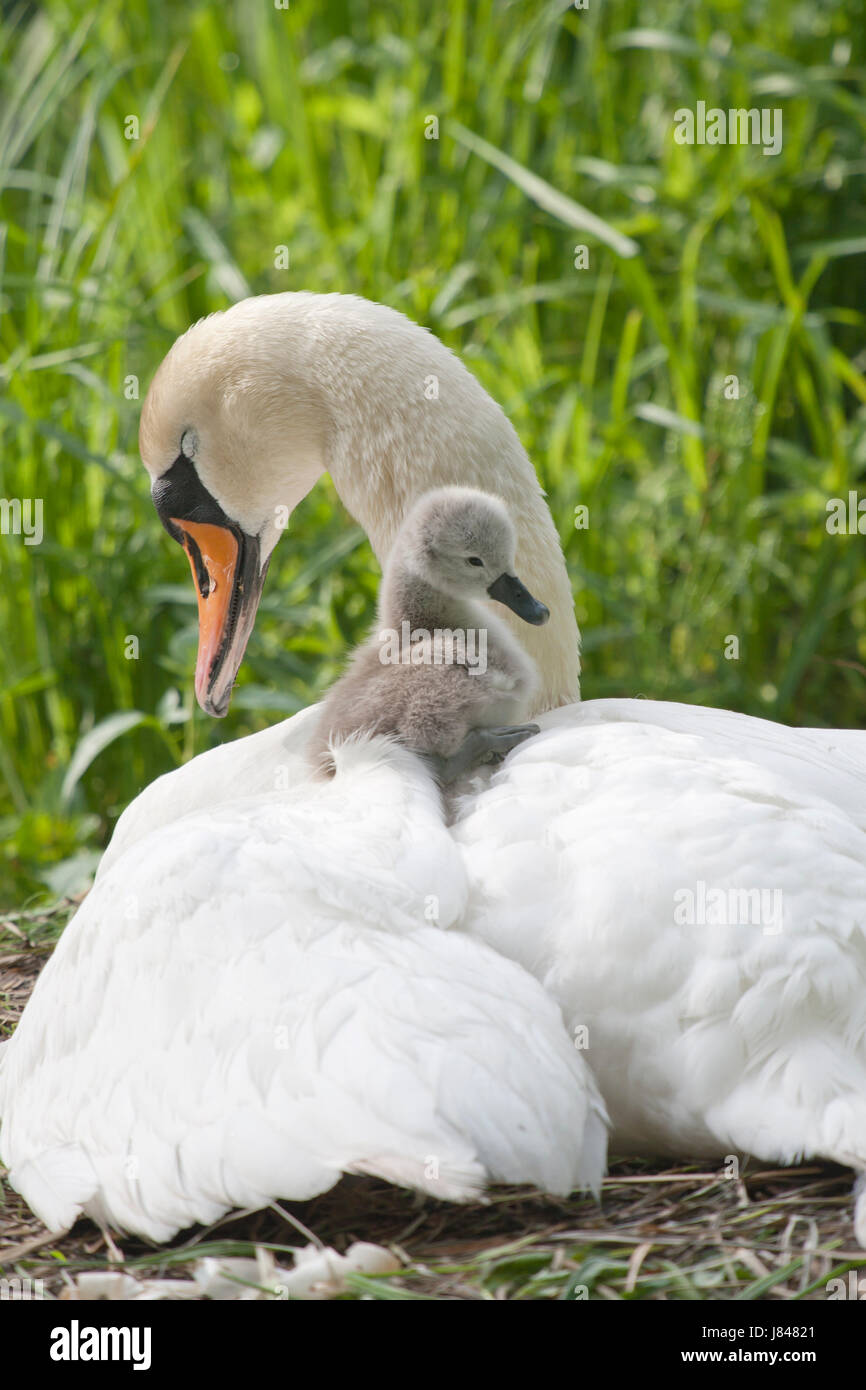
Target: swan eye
pixel 188 444
pixel 473 560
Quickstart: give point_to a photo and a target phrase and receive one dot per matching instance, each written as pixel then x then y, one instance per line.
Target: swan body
pixel 722 984
pixel 270 993
pixel 670 894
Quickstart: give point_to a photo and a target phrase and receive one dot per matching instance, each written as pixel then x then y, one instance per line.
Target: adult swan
pixel 275 980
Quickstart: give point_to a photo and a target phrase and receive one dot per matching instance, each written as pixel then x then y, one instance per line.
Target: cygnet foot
pixel 480 745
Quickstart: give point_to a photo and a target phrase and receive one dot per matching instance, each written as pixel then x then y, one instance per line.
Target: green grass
pixel 261 127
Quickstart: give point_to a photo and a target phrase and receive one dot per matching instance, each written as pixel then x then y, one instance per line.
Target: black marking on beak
pixel 180 493
pixel 202 578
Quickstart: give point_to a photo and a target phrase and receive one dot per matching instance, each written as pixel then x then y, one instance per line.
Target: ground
pixel 683 1232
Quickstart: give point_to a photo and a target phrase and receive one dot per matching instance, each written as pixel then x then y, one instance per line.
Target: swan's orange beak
pixel 225 566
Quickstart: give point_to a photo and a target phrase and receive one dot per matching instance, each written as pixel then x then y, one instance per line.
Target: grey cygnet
pixel 442 674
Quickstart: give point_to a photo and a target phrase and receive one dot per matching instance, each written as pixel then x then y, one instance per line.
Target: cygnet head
pixel 462 542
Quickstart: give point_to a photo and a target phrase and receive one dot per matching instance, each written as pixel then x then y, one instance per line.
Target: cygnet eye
pixel 473 560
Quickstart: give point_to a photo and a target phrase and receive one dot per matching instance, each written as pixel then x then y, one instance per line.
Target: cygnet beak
pixel 508 589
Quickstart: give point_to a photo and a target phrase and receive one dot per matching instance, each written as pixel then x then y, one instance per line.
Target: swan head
pixel 232 438
pixel 251 405
pixel 462 542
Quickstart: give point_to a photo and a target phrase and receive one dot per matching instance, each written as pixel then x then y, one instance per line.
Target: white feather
pixel 266 1004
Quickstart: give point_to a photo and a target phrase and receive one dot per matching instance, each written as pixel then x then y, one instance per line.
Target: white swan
pixel 258 993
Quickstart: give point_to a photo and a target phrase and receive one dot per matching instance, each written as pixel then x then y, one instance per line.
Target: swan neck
pixel 405 416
